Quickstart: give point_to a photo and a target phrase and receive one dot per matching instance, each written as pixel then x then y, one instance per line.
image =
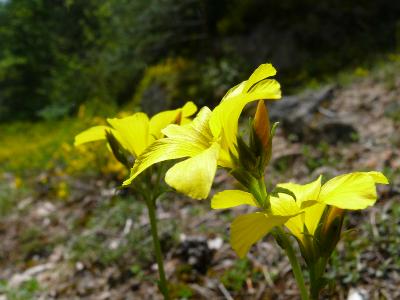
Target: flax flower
pixel 136 132
pixel 209 140
pixel 302 215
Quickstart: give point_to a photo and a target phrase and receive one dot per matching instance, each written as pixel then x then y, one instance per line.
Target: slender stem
pixel 297 272
pixel 263 193
pixel 314 291
pixel 162 284
pixel 283 239
pixel 317 271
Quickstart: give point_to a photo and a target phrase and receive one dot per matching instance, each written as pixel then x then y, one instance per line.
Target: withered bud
pixel 261 124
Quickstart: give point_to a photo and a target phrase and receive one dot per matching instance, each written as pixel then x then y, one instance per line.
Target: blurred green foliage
pixel 8 195
pixel 106 239
pixel 235 277
pixel 26 291
pixel 58 54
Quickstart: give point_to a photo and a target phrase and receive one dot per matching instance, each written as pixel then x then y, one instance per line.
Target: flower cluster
pixel 312 213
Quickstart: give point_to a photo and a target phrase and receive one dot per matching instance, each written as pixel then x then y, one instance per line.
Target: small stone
pixel 357 294
pixel 215 244
pixel 79 266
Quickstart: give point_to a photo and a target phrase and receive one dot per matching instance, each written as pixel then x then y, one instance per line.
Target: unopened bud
pixel 119 152
pixel 331 229
pixel 333 213
pixel 261 124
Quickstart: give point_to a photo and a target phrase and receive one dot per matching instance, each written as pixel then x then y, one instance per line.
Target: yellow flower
pixel 208 140
pixel 136 132
pixel 351 191
pixel 301 215
pixel 224 120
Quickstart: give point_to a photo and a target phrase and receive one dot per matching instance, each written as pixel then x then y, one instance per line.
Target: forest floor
pixel 78 237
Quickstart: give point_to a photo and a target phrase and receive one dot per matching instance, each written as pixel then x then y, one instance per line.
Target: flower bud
pixel 333 213
pixel 121 154
pixel 331 229
pixel 261 135
pixel 262 126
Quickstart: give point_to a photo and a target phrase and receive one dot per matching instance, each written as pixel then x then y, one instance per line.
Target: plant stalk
pixel 297 272
pixel 283 241
pixel 316 271
pixel 162 283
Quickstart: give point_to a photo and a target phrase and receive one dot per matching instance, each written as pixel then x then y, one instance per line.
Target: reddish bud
pixel 261 124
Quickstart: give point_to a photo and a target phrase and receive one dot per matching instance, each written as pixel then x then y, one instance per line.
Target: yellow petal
pixel 134 130
pixel 198 130
pixel 378 177
pixel 224 119
pixel 225 159
pixel 201 122
pixel 285 205
pixel 248 229
pixel 96 133
pixel 350 191
pixel 296 226
pixel 160 121
pixel 304 192
pixel 266 89
pixel 232 198
pixel 306 201
pixel 189 109
pixel 187 134
pixel 194 176
pixel 262 72
pixel 312 216
pixel 182 141
pixel 177 116
pixel 162 150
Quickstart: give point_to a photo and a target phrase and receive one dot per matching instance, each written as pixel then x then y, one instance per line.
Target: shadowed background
pixel 56 55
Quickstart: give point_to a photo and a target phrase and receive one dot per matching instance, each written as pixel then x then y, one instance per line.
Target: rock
pixel 304 116
pixel 333 131
pixel 299 107
pixel 357 294
pixel 44 209
pixel 215 243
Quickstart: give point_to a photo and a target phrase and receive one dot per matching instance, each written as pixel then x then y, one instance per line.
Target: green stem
pixel 317 271
pixel 261 196
pixel 314 291
pixel 298 274
pixel 263 193
pixel 162 283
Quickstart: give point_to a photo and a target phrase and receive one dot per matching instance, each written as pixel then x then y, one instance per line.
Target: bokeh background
pixel 65 65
